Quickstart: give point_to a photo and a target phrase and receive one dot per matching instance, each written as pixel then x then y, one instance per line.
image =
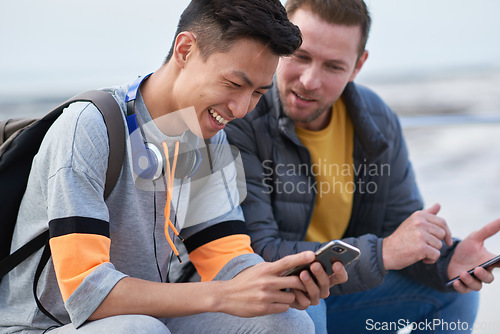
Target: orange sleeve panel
pixel 78 246
pixel 75 256
pixel 211 257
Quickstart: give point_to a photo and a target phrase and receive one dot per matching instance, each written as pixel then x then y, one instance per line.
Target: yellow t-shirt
pixel 332 165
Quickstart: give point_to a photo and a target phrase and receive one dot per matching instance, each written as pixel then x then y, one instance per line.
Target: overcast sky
pixel 74 45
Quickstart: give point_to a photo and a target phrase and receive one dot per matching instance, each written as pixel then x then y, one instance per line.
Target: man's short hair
pixel 341 12
pixel 217 24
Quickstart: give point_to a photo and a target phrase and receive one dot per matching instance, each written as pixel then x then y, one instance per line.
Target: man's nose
pixel 310 77
pixel 240 105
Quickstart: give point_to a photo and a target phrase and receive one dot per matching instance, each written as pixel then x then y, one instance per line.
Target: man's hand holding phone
pixel 470 252
pixel 262 289
pixel 318 283
pixel 326 271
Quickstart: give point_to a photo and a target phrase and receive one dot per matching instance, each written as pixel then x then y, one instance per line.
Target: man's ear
pixel 185 44
pixel 359 65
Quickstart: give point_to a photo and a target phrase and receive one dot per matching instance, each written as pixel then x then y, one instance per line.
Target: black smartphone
pixel 484 265
pixel 335 250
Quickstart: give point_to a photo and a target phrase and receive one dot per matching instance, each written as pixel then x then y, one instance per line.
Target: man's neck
pixel 157 94
pixel 318 124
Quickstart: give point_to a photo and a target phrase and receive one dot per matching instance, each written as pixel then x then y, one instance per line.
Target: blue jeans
pixel 399 302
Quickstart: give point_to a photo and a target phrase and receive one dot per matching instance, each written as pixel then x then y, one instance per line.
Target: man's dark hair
pixel 341 12
pixel 217 24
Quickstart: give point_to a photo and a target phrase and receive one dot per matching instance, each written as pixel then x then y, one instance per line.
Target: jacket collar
pixel 366 130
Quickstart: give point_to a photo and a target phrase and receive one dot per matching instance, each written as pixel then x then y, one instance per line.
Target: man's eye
pixel 335 68
pixel 300 57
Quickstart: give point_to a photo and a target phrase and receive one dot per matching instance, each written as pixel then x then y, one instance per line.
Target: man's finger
pixel 313 291
pixel 291 261
pixel 438 221
pixel 484 275
pixel 432 255
pixel 302 301
pixel 434 241
pixel 470 282
pixel 488 230
pixel 460 287
pixel 339 275
pixel 433 209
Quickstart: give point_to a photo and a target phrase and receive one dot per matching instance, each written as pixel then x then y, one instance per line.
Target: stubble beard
pixel 307 118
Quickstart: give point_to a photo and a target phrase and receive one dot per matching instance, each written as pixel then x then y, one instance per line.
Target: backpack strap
pixel 43 261
pixel 116 135
pixel 11 261
pixel 116 131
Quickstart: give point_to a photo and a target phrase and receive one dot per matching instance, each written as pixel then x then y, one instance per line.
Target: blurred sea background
pixel 436 63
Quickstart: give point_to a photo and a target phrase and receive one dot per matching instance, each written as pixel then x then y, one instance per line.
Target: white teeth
pixel 303 98
pixel 217 117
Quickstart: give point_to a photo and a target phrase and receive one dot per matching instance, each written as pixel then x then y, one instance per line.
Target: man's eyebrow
pixel 249 82
pixel 333 61
pixel 267 87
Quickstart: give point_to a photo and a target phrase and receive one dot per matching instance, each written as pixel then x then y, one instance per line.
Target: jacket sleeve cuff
pixel 434 275
pixel 368 271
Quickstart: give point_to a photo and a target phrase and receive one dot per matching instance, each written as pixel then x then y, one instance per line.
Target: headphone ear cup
pixel 155 166
pixel 197 162
pixel 188 160
pixel 147 160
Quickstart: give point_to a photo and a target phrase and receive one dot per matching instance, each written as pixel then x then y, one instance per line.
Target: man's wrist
pixel 385 255
pixel 214 297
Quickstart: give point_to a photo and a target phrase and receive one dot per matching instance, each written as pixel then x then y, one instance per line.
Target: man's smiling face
pixel 225 86
pixel 311 80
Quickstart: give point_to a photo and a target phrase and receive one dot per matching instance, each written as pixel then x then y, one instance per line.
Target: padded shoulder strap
pixel 116 131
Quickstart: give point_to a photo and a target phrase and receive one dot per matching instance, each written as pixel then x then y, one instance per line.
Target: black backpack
pixel 20 140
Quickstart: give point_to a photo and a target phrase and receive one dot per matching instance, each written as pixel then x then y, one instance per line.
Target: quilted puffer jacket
pixel 281 194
